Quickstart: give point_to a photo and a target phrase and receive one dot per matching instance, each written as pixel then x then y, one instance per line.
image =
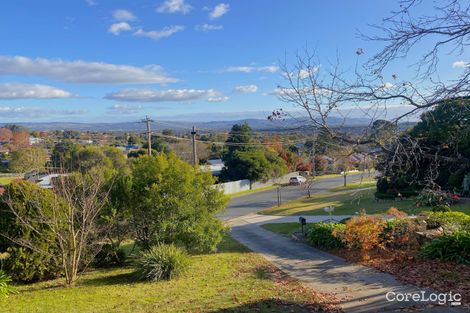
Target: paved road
pixel 255 202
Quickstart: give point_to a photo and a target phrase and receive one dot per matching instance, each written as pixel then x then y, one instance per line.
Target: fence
pixel 243 185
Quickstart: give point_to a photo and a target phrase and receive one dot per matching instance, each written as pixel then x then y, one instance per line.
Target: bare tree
pixel 72 217
pixel 324 91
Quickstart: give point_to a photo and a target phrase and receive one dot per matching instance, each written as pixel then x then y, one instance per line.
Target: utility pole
pixel 147 121
pixel 193 134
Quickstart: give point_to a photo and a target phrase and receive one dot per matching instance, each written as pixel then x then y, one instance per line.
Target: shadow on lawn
pixel 107 280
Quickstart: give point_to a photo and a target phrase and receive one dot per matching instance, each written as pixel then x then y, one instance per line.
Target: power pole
pixel 147 121
pixel 193 134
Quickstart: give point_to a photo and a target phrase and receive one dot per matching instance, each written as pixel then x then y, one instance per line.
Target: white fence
pixel 242 185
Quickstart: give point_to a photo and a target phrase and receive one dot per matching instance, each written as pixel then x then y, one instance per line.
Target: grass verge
pixel 348 202
pixel 232 280
pixel 5 180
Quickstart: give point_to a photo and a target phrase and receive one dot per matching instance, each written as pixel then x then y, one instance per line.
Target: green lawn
pixel 283 228
pixel 368 182
pixel 232 280
pixel 349 202
pixel 5 180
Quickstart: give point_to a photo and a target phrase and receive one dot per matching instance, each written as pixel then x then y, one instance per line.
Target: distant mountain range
pixel 182 126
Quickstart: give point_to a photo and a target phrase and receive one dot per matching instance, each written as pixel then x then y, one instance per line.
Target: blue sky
pixel 116 60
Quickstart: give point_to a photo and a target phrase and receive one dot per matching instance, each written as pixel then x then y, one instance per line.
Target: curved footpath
pixel 358 288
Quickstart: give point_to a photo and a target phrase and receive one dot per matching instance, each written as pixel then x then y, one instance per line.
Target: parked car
pixel 297 180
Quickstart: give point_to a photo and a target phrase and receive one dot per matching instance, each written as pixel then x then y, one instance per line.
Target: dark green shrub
pixel 5 285
pixel 28 265
pixel 162 262
pixel 109 256
pixel 441 208
pixel 326 235
pixel 449 221
pixel 450 247
pixel 382 185
pixel 25 264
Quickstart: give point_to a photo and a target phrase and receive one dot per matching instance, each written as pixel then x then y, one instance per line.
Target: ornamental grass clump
pixel 5 285
pixel 162 262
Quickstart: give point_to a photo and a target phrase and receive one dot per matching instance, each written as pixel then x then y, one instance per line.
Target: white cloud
pixel 82 72
pixel 387 85
pixel 460 64
pixel 125 108
pixel 246 89
pixel 159 34
pixel 306 91
pixel 117 28
pixel 35 112
pixel 31 91
pixel 154 95
pixel 91 2
pixel 219 10
pixel 217 99
pixel 174 6
pixel 207 27
pixel 123 16
pixel 251 69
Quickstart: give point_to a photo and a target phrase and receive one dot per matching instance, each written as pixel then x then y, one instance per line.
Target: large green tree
pixel 245 160
pixel 28 159
pixel 435 153
pixel 172 202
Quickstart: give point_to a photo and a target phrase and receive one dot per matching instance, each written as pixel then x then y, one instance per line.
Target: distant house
pixel 85 141
pixel 35 140
pixel 215 166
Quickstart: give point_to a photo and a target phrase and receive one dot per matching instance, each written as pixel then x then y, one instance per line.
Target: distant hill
pixel 256 124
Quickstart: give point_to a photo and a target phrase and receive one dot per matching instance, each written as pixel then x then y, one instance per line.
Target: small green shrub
pixel 450 247
pixel 382 185
pixel 449 221
pixel 327 235
pixel 5 287
pixel 441 208
pixel 28 265
pixel 162 262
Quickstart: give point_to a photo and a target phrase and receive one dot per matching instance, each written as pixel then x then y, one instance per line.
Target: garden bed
pixel 399 247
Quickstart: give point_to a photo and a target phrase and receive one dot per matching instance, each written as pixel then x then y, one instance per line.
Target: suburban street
pixel 255 202
pixel 356 288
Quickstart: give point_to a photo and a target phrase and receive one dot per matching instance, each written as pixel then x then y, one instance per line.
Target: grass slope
pixel 232 280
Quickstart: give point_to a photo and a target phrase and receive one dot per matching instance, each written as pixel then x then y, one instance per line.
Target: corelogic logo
pixel 450 298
